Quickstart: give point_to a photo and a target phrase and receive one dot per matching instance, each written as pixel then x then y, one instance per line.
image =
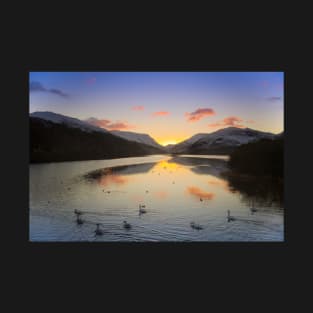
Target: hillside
pixel 56 142
pixel 222 141
pixel 264 157
pixel 137 137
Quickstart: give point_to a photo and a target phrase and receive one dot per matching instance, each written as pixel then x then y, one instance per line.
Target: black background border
pixel 261 49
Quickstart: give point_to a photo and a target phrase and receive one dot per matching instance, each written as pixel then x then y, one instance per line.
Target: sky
pixel 169 106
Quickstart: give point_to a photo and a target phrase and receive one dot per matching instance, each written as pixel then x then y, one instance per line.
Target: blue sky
pixel 170 106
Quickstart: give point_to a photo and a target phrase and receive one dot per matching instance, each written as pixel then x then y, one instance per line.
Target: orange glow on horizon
pixel 169 141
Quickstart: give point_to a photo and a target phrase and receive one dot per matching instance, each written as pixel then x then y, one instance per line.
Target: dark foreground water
pixel 175 191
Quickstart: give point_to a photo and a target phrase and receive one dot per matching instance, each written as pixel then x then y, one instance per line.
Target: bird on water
pixel 126 225
pixel 195 226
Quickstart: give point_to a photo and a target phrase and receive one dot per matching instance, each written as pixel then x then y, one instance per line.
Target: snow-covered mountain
pixel 66 139
pixel 221 141
pixel 88 127
pixel 141 138
pixel 68 121
pixel 181 147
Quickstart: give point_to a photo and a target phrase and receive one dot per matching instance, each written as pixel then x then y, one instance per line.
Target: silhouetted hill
pixel 264 157
pixel 56 142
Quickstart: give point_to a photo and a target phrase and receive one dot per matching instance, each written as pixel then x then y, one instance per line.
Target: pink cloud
pixel 233 121
pixel 199 114
pixel 161 113
pixel 138 108
pixel 109 125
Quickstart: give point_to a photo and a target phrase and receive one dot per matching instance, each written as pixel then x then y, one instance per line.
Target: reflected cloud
pixel 112 180
pixel 199 193
pixel 106 177
pixel 161 194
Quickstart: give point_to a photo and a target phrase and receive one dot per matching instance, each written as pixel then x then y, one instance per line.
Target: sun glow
pixel 166 141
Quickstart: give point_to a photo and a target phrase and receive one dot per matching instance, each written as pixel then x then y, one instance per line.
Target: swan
pixel 79 221
pixel 98 231
pixel 253 209
pixel 195 226
pixel 141 210
pixel 126 225
pixel 229 217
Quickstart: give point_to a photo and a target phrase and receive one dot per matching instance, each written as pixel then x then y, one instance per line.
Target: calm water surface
pixel 175 191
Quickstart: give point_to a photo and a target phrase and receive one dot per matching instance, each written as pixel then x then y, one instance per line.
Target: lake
pixel 175 190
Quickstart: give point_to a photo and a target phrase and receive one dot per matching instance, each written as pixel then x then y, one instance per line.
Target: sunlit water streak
pixel 175 190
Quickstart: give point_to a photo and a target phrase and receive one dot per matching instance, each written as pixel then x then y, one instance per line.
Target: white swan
pixel 229 217
pixel 98 231
pixel 141 210
pixel 195 226
pixel 126 225
pixel 253 209
pixel 77 212
pixel 79 221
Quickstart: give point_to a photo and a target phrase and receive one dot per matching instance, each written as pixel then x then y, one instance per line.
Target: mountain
pixel 182 146
pixel 67 140
pixel 168 148
pixel 68 121
pixel 137 137
pixel 280 135
pixel 222 141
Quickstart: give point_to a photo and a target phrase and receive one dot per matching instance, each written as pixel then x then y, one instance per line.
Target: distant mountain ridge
pixel 181 147
pixel 68 121
pixel 141 138
pixel 222 141
pixel 58 142
pixel 88 127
